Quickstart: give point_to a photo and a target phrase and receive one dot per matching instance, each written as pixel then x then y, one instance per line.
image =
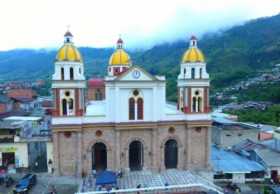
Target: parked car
pixel 25 184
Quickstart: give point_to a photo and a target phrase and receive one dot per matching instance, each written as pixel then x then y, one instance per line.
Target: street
pixel 63 185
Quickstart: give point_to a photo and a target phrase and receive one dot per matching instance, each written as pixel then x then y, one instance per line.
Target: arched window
pixel 193 73
pixel 194 104
pixel 71 73
pixel 140 109
pixel 71 104
pixel 98 95
pixel 131 108
pixel 64 107
pixel 200 73
pixel 199 103
pixel 62 73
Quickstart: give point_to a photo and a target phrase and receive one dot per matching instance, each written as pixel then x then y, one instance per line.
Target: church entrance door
pixel 99 157
pixel 171 154
pixel 136 155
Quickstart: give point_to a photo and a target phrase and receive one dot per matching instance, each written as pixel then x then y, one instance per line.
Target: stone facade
pixel 73 145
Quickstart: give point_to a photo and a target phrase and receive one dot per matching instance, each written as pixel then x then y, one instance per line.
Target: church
pixel 123 122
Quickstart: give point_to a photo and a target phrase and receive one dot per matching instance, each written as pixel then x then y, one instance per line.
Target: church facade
pixel 128 124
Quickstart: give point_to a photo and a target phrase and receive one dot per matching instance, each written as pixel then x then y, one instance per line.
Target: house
pixel 19 151
pixel 226 132
pixel 96 89
pixel 32 125
pixel 21 93
pixel 229 166
pixel 23 104
pixel 13 153
pixel 6 104
pixel 262 154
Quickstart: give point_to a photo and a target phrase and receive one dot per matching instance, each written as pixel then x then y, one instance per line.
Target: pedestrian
pixel 50 166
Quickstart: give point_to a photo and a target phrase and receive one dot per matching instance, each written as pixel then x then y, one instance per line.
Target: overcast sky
pixel 98 23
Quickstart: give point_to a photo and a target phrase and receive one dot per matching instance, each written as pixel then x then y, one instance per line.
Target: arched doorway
pixel 99 156
pixel 171 154
pixel 136 155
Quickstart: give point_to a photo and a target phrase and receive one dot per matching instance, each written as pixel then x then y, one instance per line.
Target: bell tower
pixel 68 80
pixel 119 61
pixel 193 81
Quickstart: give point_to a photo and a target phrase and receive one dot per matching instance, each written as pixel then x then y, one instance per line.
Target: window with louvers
pixel 62 73
pixel 71 73
pixel 140 109
pixel 131 110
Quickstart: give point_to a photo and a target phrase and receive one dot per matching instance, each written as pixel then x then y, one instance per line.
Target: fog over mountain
pixel 142 24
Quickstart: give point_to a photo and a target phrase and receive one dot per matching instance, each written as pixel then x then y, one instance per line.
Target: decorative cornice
pixel 129 125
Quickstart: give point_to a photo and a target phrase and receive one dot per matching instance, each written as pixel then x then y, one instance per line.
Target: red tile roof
pixel 96 82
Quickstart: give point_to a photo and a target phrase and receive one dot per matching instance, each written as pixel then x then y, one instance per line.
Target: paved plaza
pixel 172 180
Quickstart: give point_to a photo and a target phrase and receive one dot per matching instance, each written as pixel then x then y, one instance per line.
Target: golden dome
pixel 193 54
pixel 68 52
pixel 119 57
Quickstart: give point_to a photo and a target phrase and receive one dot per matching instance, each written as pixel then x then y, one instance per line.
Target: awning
pixel 106 178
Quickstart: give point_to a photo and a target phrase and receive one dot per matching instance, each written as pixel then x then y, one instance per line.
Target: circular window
pixel 67 93
pixel 98 133
pixel 196 92
pixel 171 130
pixel 135 92
pixel 67 134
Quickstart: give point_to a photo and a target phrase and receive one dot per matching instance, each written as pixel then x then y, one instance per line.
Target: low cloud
pixel 42 23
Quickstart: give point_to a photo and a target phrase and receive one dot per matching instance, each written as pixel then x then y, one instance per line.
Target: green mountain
pixel 232 55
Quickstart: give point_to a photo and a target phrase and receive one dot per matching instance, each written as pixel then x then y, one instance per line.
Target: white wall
pixel 67 65
pixel 238 178
pixel 21 153
pixel 117 96
pixel 189 66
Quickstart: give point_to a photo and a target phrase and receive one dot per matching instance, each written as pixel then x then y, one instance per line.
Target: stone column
pixel 155 150
pixel 117 154
pixel 208 147
pixel 56 153
pixel 188 148
pixel 79 155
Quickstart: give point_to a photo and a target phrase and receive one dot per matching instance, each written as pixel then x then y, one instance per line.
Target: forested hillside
pixel 231 55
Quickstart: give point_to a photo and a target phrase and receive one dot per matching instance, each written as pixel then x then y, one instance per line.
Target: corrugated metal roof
pixel 230 162
pixel 270 157
pixel 223 120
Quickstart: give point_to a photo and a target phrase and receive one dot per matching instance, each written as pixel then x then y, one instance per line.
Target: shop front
pixel 13 155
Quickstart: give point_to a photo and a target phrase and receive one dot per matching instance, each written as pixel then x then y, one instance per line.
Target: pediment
pixel 136 73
